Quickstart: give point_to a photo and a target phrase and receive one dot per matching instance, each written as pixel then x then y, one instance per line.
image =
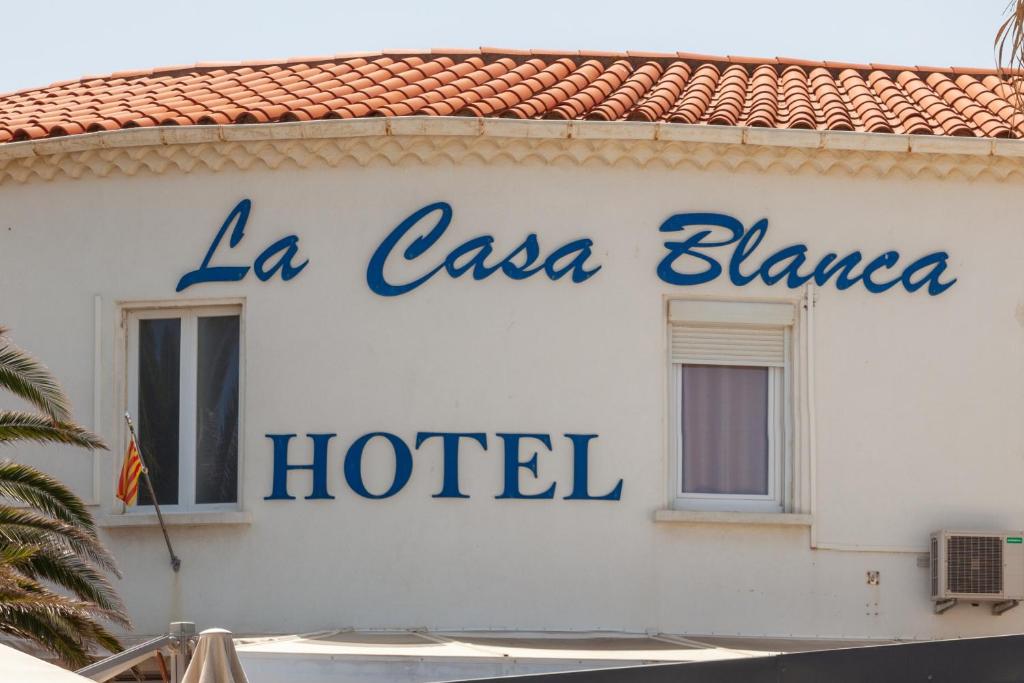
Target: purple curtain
pixel 725 429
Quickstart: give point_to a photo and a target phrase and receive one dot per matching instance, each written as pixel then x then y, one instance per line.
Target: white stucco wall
pixel 918 398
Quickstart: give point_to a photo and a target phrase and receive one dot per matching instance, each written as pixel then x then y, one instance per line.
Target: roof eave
pixel 460 126
pixel 450 139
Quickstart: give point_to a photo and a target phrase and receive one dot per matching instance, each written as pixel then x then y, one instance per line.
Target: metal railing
pixel 176 645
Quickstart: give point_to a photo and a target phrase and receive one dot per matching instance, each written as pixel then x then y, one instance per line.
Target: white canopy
pixel 24 668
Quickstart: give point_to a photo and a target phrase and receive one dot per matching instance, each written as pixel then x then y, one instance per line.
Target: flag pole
pixel 175 560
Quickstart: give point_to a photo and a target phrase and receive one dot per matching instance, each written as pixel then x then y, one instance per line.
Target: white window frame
pixel 187 381
pixel 753 315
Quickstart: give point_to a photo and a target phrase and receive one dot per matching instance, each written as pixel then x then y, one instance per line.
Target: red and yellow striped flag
pixel 128 482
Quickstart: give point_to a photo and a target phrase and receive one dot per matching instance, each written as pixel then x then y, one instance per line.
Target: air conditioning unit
pixel 975 567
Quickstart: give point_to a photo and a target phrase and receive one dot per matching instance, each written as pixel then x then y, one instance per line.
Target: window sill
pixel 175 519
pixel 746 518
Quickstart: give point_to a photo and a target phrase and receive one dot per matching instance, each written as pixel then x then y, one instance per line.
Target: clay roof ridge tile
pixel 795 61
pixel 835 65
pixel 738 59
pixel 504 51
pixel 641 54
pixel 454 51
pixel 975 71
pixel 601 53
pixel 890 67
pixel 699 57
pixel 136 73
pixel 345 56
pixel 542 52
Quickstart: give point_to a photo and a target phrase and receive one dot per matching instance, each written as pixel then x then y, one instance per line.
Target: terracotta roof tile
pixel 504 51
pixel 752 61
pixel 894 100
pixel 513 88
pixel 973 111
pixel 533 104
pixel 951 123
pixel 995 95
pixel 796 94
pixel 697 96
pixel 658 100
pixel 865 111
pixel 622 101
pixel 568 88
pixel 793 61
pixel 763 93
pixel 598 91
pixel 680 87
pixel 599 53
pixel 650 55
pixel 890 67
pixel 729 97
pixel 699 57
pixel 453 51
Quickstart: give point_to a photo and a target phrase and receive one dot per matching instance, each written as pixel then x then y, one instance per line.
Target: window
pixel 730 383
pixel 183 393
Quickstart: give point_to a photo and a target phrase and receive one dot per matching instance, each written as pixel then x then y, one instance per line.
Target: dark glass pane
pixel 217 410
pixel 725 429
pixel 159 366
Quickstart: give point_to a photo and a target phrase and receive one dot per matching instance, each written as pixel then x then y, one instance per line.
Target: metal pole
pixel 175 560
pixel 182 635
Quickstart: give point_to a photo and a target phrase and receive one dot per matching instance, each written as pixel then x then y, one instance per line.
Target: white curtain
pixel 725 429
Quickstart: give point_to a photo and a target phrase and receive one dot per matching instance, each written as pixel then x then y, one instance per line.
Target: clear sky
pixel 50 40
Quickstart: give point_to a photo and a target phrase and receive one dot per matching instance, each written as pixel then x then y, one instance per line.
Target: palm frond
pixel 18 588
pixel 28 378
pixel 61 624
pixel 14 555
pixel 44 493
pixel 38 626
pixel 19 426
pixel 26 527
pixel 1009 50
pixel 52 545
pixel 74 574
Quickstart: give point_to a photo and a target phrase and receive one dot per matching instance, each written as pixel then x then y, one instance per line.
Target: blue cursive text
pixel 277 257
pixel 787 264
pixel 472 256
